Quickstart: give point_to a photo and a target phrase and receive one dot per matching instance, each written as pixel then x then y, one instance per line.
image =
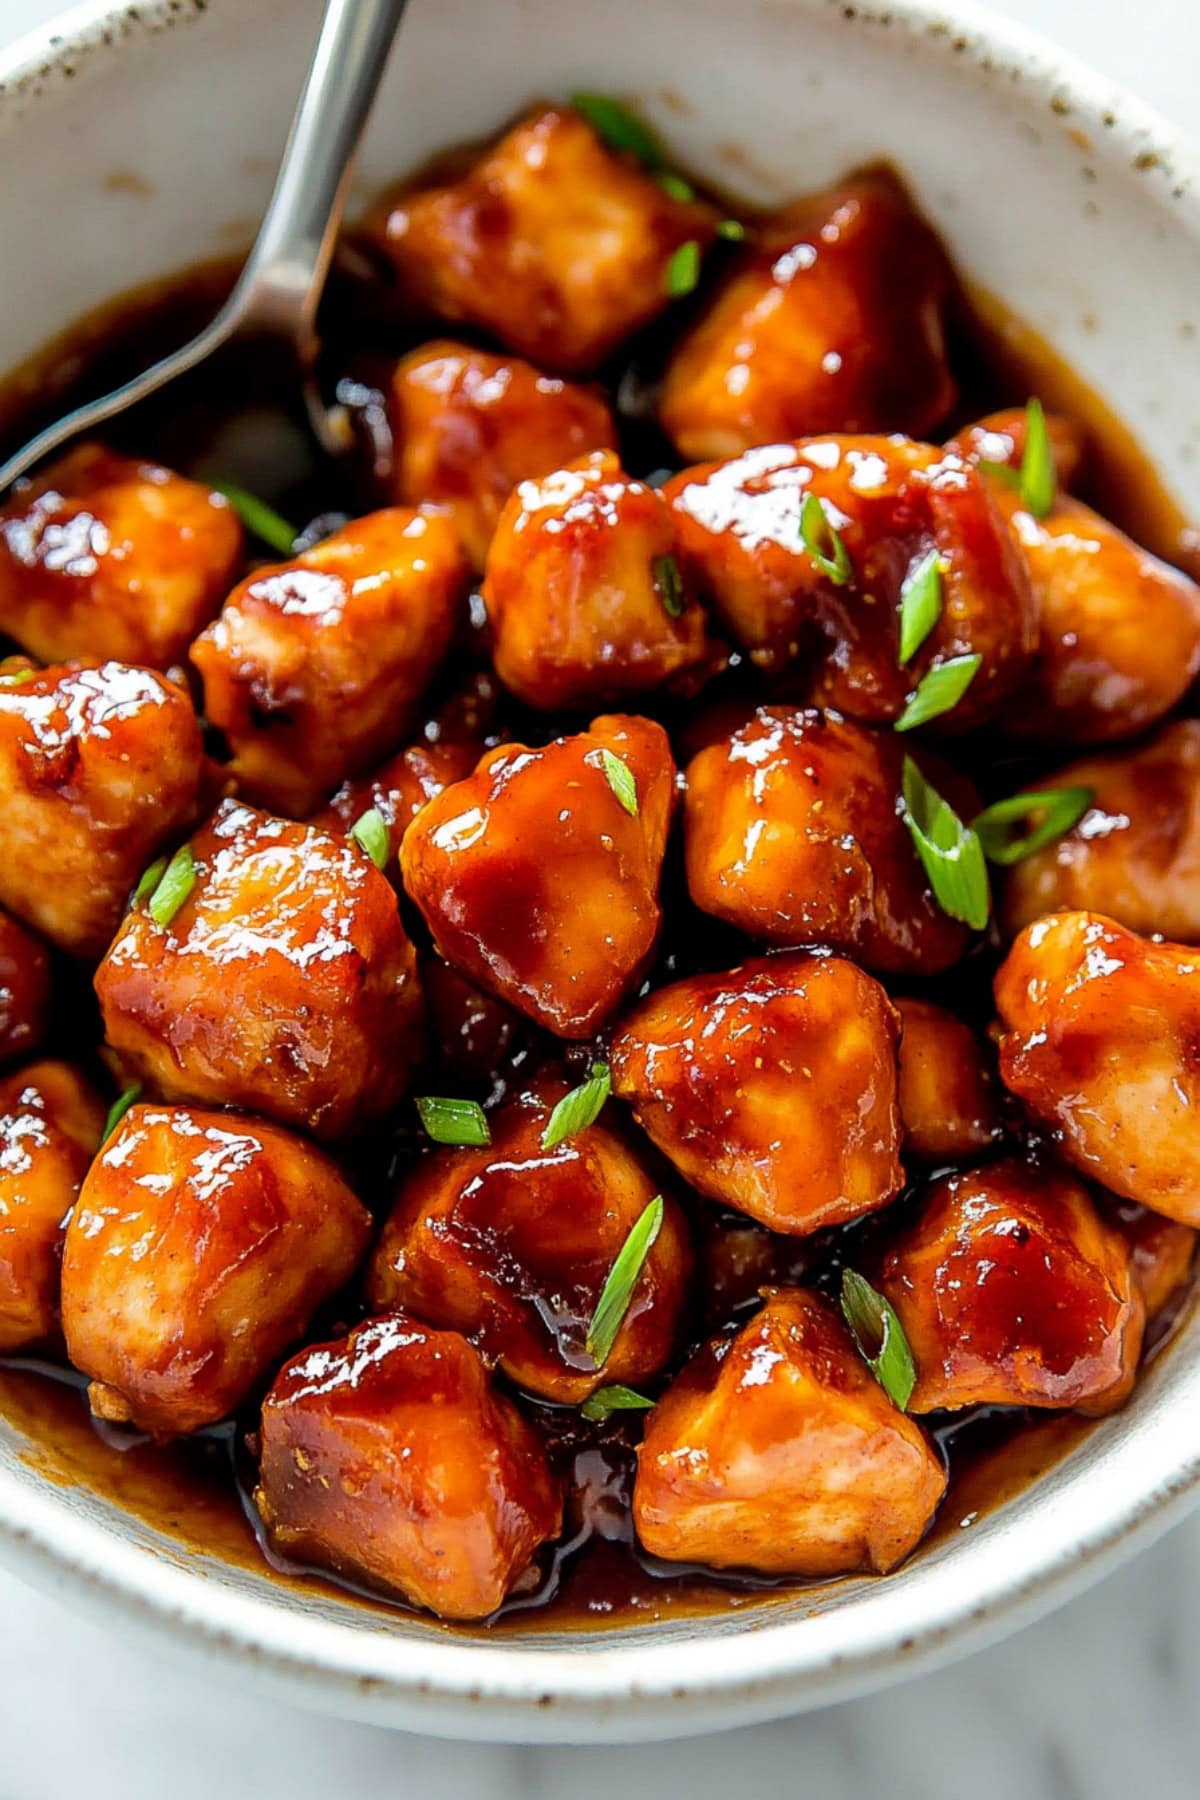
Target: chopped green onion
pixel 1047 814
pixel 118 1109
pixel 173 887
pixel 669 582
pixel 879 1337
pixel 459 1122
pixel 823 543
pixel 683 269
pixel 17 677
pixel 920 605
pixel 619 128
pixel 621 780
pixel 578 1109
pixel 606 1400
pixel 617 1292
pixel 259 518
pixel 675 185
pixel 1036 480
pixel 733 229
pixel 370 833
pixel 950 852
pixel 149 881
pixel 939 690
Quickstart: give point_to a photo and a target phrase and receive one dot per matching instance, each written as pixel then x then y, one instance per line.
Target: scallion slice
pixel 880 1338
pixel 617 1292
pixel 1012 829
pixel 459 1122
pixel 578 1109
pixel 950 851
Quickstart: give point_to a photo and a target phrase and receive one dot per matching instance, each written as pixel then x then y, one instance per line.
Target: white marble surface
pixel 1093 1704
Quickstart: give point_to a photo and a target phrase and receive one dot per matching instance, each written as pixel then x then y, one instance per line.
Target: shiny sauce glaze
pixel 302 927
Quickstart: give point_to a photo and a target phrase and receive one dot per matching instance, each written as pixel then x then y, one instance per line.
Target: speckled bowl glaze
pixel 136 141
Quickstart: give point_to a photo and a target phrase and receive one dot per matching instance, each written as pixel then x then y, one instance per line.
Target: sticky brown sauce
pixel 196 1493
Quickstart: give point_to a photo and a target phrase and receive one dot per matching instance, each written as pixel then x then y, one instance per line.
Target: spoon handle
pixel 281 283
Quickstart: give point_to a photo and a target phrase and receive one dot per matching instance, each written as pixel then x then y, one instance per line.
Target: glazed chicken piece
pixel 538 875
pixel 549 241
pixel 584 592
pixel 778 1450
pixel 317 666
pixel 99 767
pixel 284 983
pixel 1100 1040
pixel 793 834
pixel 1119 631
pixel 512 1244
pixel 199 1248
pixel 1012 1291
pixel 894 504
pixel 831 320
pixel 24 990
pixel 948 1099
pixel 1135 853
pixel 1001 438
pixel 107 556
pixel 50 1125
pixel 467 426
pixel 1163 1251
pixel 771 1088
pixel 389 1457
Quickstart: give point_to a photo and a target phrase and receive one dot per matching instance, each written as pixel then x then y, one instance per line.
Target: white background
pixel 1098 1703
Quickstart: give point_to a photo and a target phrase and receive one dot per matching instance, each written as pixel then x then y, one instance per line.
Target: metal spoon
pixel 278 290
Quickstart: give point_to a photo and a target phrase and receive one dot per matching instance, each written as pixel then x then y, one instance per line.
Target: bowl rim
pixel 707 1679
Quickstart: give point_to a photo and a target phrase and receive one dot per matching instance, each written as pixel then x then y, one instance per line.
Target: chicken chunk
pixel 1135 853
pixel 538 875
pixel 24 990
pixel 831 320
pixel 1001 437
pixel 107 556
pixel 467 426
pixel 50 1125
pixel 894 504
pixel 584 592
pixel 771 1088
pixel 549 241
pixel 1118 634
pixel 1163 1251
pixel 793 833
pixel 99 767
pixel 284 983
pixel 1012 1291
pixel 317 666
pixel 199 1248
pixel 1102 1043
pixel 778 1450
pixel 389 1457
pixel 512 1244
pixel 948 1099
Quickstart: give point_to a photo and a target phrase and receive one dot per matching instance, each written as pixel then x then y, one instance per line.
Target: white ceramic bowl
pixel 1071 200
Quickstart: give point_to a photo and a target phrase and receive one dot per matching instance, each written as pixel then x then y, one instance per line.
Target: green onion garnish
pixel 675 185
pixel 17 677
pixel 939 690
pixel 578 1109
pixel 259 518
pixel 1046 815
pixel 950 852
pixel 920 605
pixel 879 1337
pixel 370 833
pixel 683 269
pixel 173 886
pixel 459 1122
pixel 669 582
pixel 619 128
pixel 1035 480
pixel 149 881
pixel 621 780
pixel 118 1109
pixel 606 1400
pixel 823 543
pixel 617 1292
pixel 733 229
